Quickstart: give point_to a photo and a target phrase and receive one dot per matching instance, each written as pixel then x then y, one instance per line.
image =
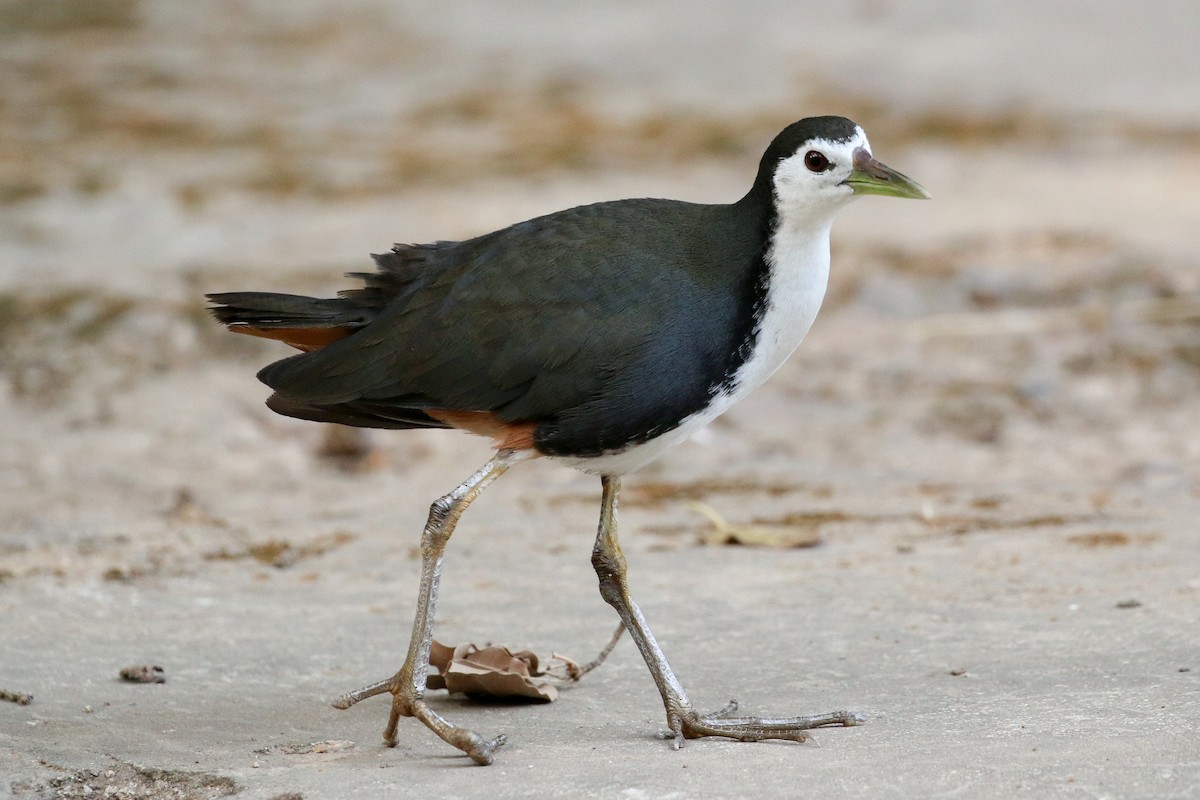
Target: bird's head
pixel 817 165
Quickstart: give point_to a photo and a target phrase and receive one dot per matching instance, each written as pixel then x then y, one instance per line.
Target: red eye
pixel 816 161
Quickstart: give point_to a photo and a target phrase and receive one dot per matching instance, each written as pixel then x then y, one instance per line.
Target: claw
pixel 481 750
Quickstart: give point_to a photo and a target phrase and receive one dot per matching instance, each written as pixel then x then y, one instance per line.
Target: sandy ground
pixel 992 429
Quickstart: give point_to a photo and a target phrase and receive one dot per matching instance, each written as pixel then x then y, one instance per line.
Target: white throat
pixel 798 274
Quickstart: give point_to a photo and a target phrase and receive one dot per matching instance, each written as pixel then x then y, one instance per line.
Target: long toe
pixel 481 750
pixel 757 729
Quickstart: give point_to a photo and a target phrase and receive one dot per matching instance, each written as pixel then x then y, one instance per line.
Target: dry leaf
pixel 781 536
pixel 496 671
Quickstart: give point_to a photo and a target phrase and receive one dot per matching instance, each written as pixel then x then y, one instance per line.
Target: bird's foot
pixel 687 724
pixel 406 703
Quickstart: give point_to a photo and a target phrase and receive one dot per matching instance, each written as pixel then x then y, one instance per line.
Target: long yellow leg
pixel 408 685
pixel 682 719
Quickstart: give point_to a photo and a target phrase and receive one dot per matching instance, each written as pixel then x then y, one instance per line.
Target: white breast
pixel 799 273
pixel 798 265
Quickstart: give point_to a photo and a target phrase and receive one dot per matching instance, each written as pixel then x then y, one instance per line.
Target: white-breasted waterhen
pixel 598 336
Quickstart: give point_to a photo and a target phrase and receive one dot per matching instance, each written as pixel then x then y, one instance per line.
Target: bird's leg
pixel 682 718
pixel 408 685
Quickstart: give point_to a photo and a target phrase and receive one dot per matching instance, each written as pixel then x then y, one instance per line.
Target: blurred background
pixel 151 150
pixel 1039 318
pixel 994 420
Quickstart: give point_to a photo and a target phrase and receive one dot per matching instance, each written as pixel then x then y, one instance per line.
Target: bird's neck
pixel 797 257
pixel 794 275
pixel 797 273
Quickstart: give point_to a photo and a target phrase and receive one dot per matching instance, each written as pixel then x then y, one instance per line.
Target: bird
pixel 598 337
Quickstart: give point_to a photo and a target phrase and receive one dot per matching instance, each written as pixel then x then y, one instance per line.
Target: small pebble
pixel 143 673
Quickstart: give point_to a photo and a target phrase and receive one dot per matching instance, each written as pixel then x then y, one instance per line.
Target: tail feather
pixel 271 310
pixel 309 323
pixel 306 323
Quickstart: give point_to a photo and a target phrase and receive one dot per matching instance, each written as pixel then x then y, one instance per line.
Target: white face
pixel 810 184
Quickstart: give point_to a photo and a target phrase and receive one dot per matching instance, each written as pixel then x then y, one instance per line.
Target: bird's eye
pixel 816 161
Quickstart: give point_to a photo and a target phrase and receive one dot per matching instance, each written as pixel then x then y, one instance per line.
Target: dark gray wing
pixel 570 319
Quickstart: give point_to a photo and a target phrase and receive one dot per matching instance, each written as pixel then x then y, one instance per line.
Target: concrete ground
pixel 990 432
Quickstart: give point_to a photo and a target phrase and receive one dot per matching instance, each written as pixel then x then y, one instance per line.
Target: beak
pixel 871 177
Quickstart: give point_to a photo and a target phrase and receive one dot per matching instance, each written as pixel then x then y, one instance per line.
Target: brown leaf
pixel 494 671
